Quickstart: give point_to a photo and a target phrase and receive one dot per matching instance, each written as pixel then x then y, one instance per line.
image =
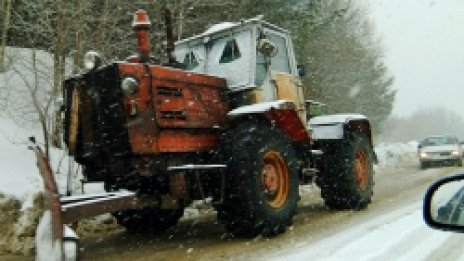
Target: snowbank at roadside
pixel 390 154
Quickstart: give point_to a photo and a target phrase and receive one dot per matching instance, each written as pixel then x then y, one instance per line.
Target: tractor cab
pixel 255 57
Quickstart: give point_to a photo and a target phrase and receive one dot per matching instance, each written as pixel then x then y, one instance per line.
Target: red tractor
pixel 224 120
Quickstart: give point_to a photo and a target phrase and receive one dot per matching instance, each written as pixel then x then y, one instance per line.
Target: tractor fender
pixel 281 113
pixel 339 126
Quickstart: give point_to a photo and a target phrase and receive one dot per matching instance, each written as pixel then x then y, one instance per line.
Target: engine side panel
pixel 176 111
pixel 187 100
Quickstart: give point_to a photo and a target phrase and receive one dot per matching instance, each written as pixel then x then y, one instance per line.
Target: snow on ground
pixel 18 171
pixel 388 237
pixel 19 176
pixel 390 154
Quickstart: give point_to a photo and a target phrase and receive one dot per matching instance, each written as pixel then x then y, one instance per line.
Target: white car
pixel 438 150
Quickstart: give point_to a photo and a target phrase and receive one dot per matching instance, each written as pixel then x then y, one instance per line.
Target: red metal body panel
pixel 143 97
pixel 187 100
pixel 171 141
pixel 181 141
pixel 289 122
pixel 177 111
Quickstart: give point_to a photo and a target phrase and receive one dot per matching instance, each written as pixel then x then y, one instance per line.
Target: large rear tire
pixel 148 220
pixel 261 181
pixel 346 178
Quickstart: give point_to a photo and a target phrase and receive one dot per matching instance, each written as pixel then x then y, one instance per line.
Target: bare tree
pixel 6 6
pixel 30 96
pixel 417 126
pixel 36 82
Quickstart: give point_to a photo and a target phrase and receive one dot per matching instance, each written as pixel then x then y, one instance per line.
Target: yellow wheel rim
pixel 362 169
pixel 275 179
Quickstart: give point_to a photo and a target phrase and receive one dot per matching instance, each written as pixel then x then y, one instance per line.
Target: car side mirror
pixel 301 70
pixel 444 204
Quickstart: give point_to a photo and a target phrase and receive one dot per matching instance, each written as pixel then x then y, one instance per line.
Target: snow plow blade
pixel 74 208
pixel 53 235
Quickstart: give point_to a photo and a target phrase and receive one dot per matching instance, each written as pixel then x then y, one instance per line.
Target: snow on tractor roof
pixel 219 27
pixel 228 26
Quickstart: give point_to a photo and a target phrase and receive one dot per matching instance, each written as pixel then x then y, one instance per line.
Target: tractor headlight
pixel 455 153
pixel 129 86
pixel 92 60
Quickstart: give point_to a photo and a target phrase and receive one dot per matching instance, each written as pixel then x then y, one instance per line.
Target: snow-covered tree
pixel 345 61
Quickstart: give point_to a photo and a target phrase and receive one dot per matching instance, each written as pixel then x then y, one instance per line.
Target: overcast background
pixel 423 41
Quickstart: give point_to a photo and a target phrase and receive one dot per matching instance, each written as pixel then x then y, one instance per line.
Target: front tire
pixel 262 181
pixel 346 178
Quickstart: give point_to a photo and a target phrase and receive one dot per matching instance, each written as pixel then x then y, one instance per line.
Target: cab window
pixel 280 62
pixel 190 61
pixel 231 52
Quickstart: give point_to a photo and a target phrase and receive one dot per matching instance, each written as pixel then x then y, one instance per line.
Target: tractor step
pixel 195 170
pixel 309 175
pixel 196 167
pixel 310 172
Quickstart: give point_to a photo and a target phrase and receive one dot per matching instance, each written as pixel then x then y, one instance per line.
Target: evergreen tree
pixel 345 62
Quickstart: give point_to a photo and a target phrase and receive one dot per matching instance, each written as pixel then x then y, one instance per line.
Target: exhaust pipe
pixel 169 36
pixel 140 25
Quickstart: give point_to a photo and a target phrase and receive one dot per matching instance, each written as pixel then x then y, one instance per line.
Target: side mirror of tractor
pixel 267 47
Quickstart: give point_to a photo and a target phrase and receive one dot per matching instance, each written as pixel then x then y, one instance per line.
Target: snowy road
pixel 390 229
pixel 400 235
